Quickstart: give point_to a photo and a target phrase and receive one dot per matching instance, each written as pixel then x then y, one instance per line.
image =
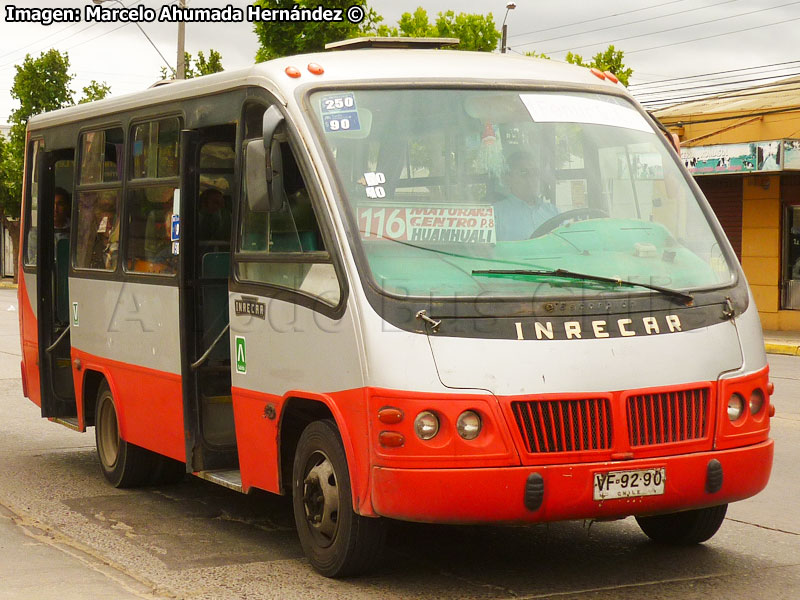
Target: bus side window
pixel 285 247
pixel 98 199
pixel 149 245
pixel 149 207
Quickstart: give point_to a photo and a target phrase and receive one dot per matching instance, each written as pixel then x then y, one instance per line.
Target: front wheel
pixel 684 528
pixel 336 540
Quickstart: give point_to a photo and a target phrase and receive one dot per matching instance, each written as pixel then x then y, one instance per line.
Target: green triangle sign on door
pixel 241 355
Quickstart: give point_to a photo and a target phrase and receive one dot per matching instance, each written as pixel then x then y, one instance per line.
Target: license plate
pixel 625 484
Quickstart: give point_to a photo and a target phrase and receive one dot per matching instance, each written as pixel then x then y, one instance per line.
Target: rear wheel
pixel 336 540
pixel 684 528
pixel 124 464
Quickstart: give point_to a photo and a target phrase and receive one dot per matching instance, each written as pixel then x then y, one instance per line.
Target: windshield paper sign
pixel 427 224
pixel 568 108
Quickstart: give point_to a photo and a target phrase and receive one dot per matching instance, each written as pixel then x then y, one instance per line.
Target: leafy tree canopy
pixel 41 84
pixel 535 54
pixel 95 91
pixel 610 60
pixel 475 32
pixel 284 38
pixel 199 66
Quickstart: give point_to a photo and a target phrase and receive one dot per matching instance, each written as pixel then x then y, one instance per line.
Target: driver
pixel 521 208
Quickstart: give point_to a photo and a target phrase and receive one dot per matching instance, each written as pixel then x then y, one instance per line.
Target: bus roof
pixel 370 65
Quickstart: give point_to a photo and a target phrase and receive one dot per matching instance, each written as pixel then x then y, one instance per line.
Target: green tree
pixel 284 38
pixel 610 60
pixel 207 67
pixel 475 32
pixel 199 66
pixel 40 84
pixel 95 91
pixel 534 54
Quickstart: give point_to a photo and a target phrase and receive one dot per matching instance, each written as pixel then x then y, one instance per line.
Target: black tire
pixel 166 470
pixel 684 528
pixel 336 540
pixel 123 464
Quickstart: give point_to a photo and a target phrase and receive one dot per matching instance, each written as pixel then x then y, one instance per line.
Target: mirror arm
pixel 272 120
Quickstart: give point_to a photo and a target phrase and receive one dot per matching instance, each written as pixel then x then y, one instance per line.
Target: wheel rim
pixel 108 435
pixel 321 499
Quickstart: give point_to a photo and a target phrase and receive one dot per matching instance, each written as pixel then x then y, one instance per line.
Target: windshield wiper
pixel 687 299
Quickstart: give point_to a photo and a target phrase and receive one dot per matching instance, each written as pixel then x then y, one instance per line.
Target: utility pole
pixel 181 45
pixel 504 29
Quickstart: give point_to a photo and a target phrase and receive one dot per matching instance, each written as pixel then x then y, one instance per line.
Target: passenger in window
pixel 104 248
pixel 214 220
pixel 521 208
pixel 62 209
pixel 158 235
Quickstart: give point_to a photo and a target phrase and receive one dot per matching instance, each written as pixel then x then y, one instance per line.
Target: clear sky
pixel 738 34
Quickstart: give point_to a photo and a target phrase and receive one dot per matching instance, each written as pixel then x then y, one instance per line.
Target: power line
pixel 683 99
pixel 711 85
pixel 4 67
pixel 62 30
pixel 708 37
pixel 61 41
pixel 680 12
pixel 762 113
pixel 627 12
pixel 705 75
pixel 631 37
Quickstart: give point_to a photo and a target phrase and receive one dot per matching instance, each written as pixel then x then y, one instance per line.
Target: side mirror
pixel 676 142
pixel 264 167
pixel 272 120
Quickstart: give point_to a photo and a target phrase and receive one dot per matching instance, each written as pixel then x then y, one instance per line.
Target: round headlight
pixel 756 401
pixel 426 425
pixel 735 407
pixel 469 425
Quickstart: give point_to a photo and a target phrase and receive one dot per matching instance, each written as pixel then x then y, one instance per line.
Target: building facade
pixel 743 148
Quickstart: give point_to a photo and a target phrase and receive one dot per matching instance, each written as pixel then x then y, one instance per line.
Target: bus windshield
pixel 465 193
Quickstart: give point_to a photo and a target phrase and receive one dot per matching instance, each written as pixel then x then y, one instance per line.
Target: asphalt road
pixel 64 533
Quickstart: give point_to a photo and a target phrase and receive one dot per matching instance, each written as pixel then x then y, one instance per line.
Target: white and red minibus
pixel 434 286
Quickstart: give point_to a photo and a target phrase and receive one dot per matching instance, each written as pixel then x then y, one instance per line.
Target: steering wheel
pixel 553 222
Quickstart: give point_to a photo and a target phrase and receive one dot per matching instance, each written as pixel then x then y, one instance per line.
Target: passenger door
pixel 287 304
pixel 208 183
pixel 55 184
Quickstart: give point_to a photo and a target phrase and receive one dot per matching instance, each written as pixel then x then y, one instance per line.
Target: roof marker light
pixel 611 77
pixel 597 73
pixel 293 72
pixel 315 69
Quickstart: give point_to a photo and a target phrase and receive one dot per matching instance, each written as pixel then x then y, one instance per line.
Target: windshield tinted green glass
pixel 446 182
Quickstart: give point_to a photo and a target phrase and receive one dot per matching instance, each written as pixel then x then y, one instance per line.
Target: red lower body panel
pixel 496 494
pixel 149 403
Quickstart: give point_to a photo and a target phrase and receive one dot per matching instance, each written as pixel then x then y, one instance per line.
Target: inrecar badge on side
pixel 249 306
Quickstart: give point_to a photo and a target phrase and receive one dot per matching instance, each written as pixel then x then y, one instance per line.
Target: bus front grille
pixel 564 425
pixel 668 417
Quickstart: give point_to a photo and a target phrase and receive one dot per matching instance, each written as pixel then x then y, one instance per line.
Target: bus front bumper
pixel 498 495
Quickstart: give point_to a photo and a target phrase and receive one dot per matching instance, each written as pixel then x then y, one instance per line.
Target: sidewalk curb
pixel 778 348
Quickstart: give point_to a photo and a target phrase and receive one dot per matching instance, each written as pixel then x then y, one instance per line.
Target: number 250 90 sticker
pixel 340 113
